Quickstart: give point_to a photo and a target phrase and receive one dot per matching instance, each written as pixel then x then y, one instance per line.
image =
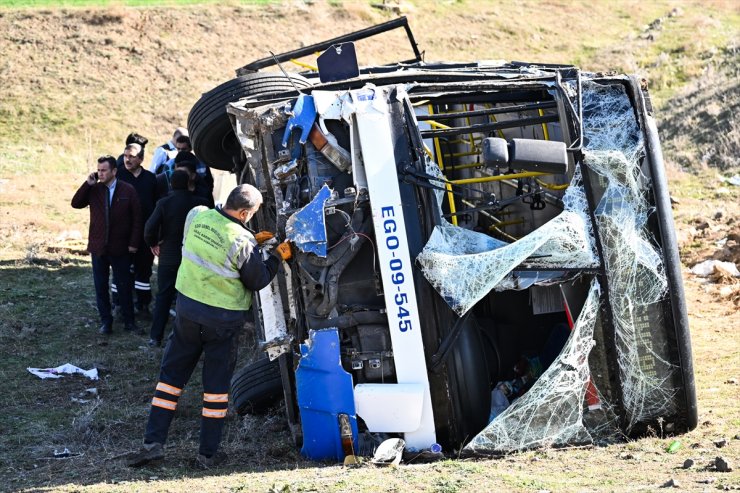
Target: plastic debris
pixel 59 371
pixel 389 452
pixel 708 267
pixel 674 446
pixel 65 454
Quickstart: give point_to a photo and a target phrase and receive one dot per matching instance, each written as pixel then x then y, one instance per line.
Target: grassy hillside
pixel 74 82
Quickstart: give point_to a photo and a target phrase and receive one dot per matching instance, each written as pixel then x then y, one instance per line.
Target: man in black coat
pixel 200 186
pixel 163 233
pixel 145 184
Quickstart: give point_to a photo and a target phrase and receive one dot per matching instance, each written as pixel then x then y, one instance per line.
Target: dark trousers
pixel 166 292
pixel 102 265
pixel 142 275
pixel 181 355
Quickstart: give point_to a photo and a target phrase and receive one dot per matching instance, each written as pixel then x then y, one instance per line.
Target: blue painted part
pixel 325 390
pixel 304 114
pixel 307 227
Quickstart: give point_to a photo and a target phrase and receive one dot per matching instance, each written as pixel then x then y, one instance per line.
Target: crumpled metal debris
pixel 307 228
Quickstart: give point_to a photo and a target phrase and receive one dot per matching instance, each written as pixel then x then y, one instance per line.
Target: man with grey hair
pixel 166 151
pixel 221 266
pixel 145 184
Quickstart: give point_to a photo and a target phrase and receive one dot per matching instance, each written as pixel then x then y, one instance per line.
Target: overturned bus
pixel 484 253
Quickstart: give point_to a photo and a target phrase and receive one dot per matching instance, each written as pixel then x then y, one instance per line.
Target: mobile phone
pixel 96 175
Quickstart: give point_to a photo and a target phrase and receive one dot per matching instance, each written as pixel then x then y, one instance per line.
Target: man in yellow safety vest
pixel 221 267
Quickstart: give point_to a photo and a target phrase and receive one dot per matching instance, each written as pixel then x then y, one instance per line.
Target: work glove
pixel 263 236
pixel 283 251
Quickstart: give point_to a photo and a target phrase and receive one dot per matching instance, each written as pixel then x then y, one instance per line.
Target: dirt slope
pixel 80 80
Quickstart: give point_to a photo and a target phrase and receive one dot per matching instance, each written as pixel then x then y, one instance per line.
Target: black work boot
pixel 150 452
pixel 215 460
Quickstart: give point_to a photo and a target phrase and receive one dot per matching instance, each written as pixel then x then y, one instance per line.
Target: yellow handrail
pixel 506 223
pixel 451 200
pixel 433 123
pixel 437 148
pixel 544 125
pixel 484 179
pixel 551 186
pixel 304 65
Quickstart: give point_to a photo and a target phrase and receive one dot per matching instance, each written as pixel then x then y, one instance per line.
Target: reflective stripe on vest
pixel 214 249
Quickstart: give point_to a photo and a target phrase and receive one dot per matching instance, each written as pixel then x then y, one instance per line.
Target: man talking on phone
pixel 115 234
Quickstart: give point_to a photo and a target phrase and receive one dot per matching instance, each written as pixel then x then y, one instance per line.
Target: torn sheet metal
pixel 273 317
pixel 307 227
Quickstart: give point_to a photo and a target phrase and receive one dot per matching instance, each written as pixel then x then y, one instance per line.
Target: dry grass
pixel 74 82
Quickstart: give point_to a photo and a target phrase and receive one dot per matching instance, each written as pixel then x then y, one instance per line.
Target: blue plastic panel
pixel 304 114
pixel 324 392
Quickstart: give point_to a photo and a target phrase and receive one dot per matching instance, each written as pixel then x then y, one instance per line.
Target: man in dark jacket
pixel 145 184
pixel 115 233
pixel 163 233
pixel 182 143
pixel 132 138
pixel 200 186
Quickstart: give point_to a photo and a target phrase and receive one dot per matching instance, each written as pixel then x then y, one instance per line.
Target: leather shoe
pixel 105 329
pixel 133 328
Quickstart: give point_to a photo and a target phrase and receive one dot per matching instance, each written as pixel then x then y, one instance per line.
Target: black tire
pixel 211 133
pixel 468 380
pixel 257 387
